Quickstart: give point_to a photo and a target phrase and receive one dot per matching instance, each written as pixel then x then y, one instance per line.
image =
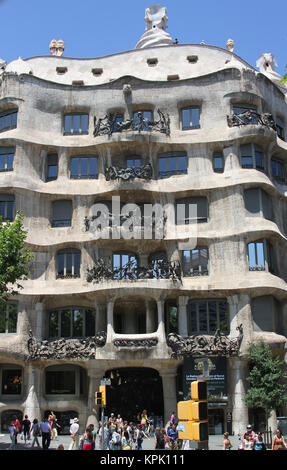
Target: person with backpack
pixel 36 432
pixel 26 424
pixel 158 439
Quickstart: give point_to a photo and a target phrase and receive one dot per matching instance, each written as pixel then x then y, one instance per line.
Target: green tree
pixel 267 389
pixel 14 257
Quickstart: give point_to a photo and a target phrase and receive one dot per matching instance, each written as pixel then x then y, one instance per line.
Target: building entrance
pixel 133 390
pixel 216 421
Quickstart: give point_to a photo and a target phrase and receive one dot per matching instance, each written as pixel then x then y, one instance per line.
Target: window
pixel 133 162
pixel 247 111
pixel 157 261
pixel 266 314
pixel 52 167
pixel 170 165
pixel 7 207
pixel 195 262
pixel 11 380
pixel 115 119
pixel 61 382
pixel 218 162
pixel 252 157
pixel 278 170
pixel 84 167
pixel 6 158
pixel 122 263
pixel 142 119
pixel 207 316
pixel 190 118
pixel 171 317
pixel 72 323
pixel 257 203
pixel 186 214
pixel 8 318
pixel 68 264
pixel 8 120
pixel 280 128
pixel 76 124
pixel 261 257
pixel 62 213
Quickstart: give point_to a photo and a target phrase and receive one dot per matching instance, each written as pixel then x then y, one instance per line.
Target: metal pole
pixel 103 426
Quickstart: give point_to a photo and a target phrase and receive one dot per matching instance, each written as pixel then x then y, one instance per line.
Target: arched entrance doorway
pixel 133 390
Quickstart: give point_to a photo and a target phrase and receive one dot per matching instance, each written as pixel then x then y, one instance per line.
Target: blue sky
pixel 92 28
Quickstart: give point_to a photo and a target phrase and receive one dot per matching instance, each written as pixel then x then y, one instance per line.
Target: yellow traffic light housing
pixel 199 390
pixel 184 410
pixel 102 390
pixel 199 410
pixel 199 431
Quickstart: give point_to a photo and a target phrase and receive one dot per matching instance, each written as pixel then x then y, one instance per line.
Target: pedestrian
pixel 18 427
pixel 250 432
pixel 258 442
pixel 60 447
pixel 12 432
pixel 87 440
pixel 247 443
pixel 172 418
pixel 94 432
pixel 125 439
pixel 226 442
pixel 144 420
pixel 115 441
pixel 26 425
pixel 158 439
pixel 166 439
pixel 173 435
pixel 140 434
pixel 36 431
pixel 46 434
pixel 278 442
pixel 119 422
pixel 74 432
pixel 106 436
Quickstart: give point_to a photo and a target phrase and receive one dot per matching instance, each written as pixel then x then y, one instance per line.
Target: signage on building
pixel 212 369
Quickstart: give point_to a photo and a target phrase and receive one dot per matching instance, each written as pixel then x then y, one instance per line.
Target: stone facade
pixel 131 312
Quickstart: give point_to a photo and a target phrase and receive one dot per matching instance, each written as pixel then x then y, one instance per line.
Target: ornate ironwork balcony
pixel 65 348
pixel 251 117
pixel 135 343
pixel 115 172
pixel 204 345
pixel 159 269
pixel 109 125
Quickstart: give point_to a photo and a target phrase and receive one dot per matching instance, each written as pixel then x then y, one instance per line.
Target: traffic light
pixel 98 398
pixel 102 390
pixel 199 411
pixel 193 414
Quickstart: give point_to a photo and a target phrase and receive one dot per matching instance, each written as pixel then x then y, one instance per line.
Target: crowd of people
pixel 118 434
pixel 254 441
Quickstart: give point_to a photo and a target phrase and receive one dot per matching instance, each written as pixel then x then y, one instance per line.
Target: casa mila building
pixel 107 159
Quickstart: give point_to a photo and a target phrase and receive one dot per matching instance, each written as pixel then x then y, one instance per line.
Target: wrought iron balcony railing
pixel 115 172
pixel 159 269
pixel 251 117
pixel 109 125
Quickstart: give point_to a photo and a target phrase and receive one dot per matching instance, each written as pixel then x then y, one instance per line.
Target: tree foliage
pixel 265 378
pixel 14 257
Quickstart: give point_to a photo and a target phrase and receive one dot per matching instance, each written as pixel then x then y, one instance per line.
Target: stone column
pixel 39 316
pixel 237 386
pixel 160 319
pixel 169 393
pixel 110 320
pixel 32 406
pixel 149 318
pixel 93 415
pixel 100 317
pixel 182 316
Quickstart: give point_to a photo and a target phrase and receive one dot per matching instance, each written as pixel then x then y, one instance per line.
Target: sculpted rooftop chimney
pixel 156 25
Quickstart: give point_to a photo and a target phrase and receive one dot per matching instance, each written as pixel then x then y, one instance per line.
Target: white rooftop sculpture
pixel 19 66
pixel 265 63
pixel 57 47
pixel 156 25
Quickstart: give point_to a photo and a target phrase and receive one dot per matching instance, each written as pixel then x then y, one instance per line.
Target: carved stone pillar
pixel 160 318
pixel 110 320
pixel 237 387
pixel 32 406
pixel 182 316
pixel 149 318
pixel 169 393
pixel 240 313
pixel 100 318
pixel 95 377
